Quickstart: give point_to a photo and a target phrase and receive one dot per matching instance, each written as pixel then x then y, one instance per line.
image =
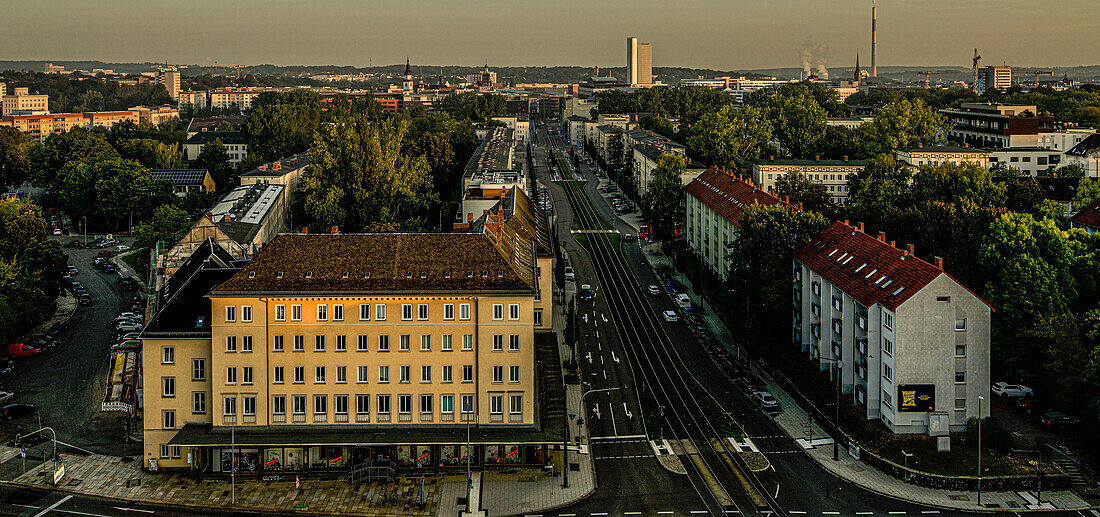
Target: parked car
pixel 128 316
pixel 1026 404
pixel 127 283
pixel 628 237
pixel 1005 389
pixel 11 411
pixel 766 401
pixel 22 350
pixel 73 270
pixel 671 316
pixel 654 290
pixel 1058 419
pixel 121 248
pixel 108 268
pixel 84 299
pixel 569 274
pixel 748 383
pixel 126 327
pixel 128 336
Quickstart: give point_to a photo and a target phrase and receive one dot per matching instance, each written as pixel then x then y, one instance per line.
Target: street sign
pixel 22 452
pixel 58 473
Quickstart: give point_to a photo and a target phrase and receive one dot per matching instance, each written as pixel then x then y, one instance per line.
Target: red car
pixel 21 350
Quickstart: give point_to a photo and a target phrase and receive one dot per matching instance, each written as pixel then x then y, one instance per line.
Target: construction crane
pixel 238 67
pixel 1037 73
pixel 926 75
pixel 976 58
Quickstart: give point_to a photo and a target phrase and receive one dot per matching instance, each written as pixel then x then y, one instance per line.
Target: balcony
pixel 468 417
pixel 278 419
pixel 496 417
pixel 362 418
pixel 383 418
pixel 404 417
pixel 447 417
pixel 427 417
pixel 340 418
pixel 515 417
pixel 320 418
pixel 229 419
pixel 248 420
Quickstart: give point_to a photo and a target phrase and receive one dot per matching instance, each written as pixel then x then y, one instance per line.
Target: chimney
pixel 939 262
pixel 334 229
pixel 771 157
pixel 800 205
pixel 817 157
pixel 860 227
pixel 966 146
pixel 893 244
pixel 882 236
pixel 305 229
pixel 787 199
pixel 911 249
pixel 920 145
pixel 845 157
pixel 845 222
pixel 469 218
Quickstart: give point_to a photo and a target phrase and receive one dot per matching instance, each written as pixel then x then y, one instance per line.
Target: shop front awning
pixel 205 435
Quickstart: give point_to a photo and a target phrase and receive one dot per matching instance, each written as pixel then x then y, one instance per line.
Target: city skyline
pixel 695 34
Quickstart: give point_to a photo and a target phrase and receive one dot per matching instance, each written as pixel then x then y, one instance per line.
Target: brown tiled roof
pixel 726 194
pixel 869 270
pixel 391 262
pixel 522 217
pixel 1088 216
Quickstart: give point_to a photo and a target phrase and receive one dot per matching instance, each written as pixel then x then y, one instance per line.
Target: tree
pixel 813 196
pixel 799 122
pixel 75 145
pixel 663 203
pixel 658 125
pixel 166 222
pixel 954 181
pixel 731 138
pixel 1088 190
pixel 877 192
pixel 151 153
pixel 215 158
pixel 1072 170
pixel 902 123
pixel 276 130
pixel 15 167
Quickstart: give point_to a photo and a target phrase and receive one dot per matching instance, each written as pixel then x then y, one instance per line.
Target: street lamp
pixel 565 445
pixel 835 366
pixel 980 399
pixel 906 463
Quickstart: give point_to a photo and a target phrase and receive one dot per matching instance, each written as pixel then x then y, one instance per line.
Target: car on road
pixel 654 290
pixel 748 383
pixel 73 270
pixel 1005 389
pixel 766 401
pixel 84 299
pixel 121 248
pixel 1058 419
pixel 671 316
pixel 586 293
pixel 56 230
pixel 22 350
pixel 569 274
pixel 11 411
pixel 628 237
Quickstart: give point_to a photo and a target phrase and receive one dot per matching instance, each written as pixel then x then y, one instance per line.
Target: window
pixel 449 311
pixel 280 313
pixel 318 343
pixel 887 372
pixel 246 343
pixel 887 400
pixel 198 369
pixel 169 419
pixel 404 372
pixel 248 405
pixel 364 312
pixel 498 374
pixel 888 320
pixel 464 311
pixel 168 386
pixel 384 343
pixel 279 375
pixel 383 404
pixel 447 374
pixel 299 374
pixel 960 324
pixel 425 373
pixel 295 313
pixel 363 374
pixel 538 317
pixel 498 311
pixel 341 374
pixel 383 374
pixel 513 374
pixel 422 312
pixel 164 450
pixel 467 373
pixel 341 343
pixel 425 342
pixel 887 346
pixel 448 343
pixel 960 403
pixel 340 404
pixel 406 312
pixel 299 402
pixel 960 350
pixel 498 342
pixel 230 343
pixel 198 402
pixel 230 405
pixel 515 403
pixel 467 403
pixel 467 342
pixel 404 404
pixel 362 404
pixel 299 343
pixel 319 375
pixel 513 342
pixel 277 343
pixel 320 404
pixel 960 377
pixel 447 404
pixel 168 355
pixel 322 312
pixel 231 375
pixel 426 404
pixel 513 311
pixel 230 313
pixel 380 312
pixel 246 313
pixel 337 312
pixel 246 375
pixel 404 344
pixel 496 404
pixel 362 344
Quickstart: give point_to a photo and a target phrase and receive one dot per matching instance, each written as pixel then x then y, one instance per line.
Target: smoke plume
pixel 814 58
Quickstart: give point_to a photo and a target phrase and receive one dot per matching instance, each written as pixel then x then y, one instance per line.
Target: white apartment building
pixel 833 174
pixel 911 343
pixel 921 155
pixel 521 128
pixel 646 158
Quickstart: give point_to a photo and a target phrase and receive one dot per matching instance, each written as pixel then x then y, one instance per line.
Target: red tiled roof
pixel 869 270
pixel 726 194
pixel 1088 216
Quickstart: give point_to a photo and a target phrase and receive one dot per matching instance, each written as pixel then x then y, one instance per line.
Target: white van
pixel 683 301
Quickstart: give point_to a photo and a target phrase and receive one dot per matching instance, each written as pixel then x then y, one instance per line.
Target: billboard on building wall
pixel 916 398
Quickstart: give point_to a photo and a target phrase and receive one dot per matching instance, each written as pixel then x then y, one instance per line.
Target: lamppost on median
pixel 565 448
pixel 835 366
pixel 980 399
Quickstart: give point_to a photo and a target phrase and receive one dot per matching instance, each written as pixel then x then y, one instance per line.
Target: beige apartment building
pixel 328 352
pixel 22 101
pixel 833 174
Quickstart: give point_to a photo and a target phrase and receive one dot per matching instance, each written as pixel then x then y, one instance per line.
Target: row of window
pixel 362 343
pixel 341 406
pixel 407 312
pixel 320 375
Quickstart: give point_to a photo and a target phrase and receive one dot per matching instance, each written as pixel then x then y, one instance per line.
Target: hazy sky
pixel 720 34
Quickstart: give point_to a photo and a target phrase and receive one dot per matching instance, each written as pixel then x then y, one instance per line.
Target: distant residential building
pixel 490 173
pixel 912 343
pixel 596 84
pixel 185 180
pixel 1060 190
pixel 1087 218
pixel 833 174
pixel 201 124
pixel 21 101
pixel 574 107
pixel 646 158
pixel 241 98
pixel 39 127
pixel 1085 154
pixel 196 100
pixel 639 63
pixel 575 130
pixel 170 79
pixel 1062 140
pixel 713 204
pixel 996 77
pixel 287 172
pixel 1028 160
pixel 234 143
pixel 847 122
pixel 926 155
pixel 996 126
pixel 520 125
pixel 156 114
pixel 50 68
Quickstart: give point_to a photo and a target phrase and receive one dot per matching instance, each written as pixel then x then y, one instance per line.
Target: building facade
pixel 639 63
pixel 910 342
pixel 21 101
pixel 996 126
pixel 922 155
pixel 833 174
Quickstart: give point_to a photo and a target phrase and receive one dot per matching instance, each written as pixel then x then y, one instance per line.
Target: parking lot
pixel 67 384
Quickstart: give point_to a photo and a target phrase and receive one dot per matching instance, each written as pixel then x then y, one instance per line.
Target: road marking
pixel 666 512
pixel 599 514
pixel 698 511
pixel 865 513
pixel 52 506
pixel 74 512
pixel 633 437
pixel 830 513
pixel 929 511
pixel 629 415
pixel 632 513
pixel 151 511
pixel 568 515
pixel 799 512
pixel 897 513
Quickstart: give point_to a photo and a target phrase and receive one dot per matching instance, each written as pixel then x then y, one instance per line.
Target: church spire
pixel 857 77
pixel 408 67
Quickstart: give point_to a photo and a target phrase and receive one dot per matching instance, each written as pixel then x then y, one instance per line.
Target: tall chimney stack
pixel 874 37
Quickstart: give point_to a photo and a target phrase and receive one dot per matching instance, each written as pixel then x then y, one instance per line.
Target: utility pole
pixel 233 454
pixel 980 399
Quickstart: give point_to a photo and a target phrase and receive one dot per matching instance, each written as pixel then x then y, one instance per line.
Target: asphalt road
pixel 67 383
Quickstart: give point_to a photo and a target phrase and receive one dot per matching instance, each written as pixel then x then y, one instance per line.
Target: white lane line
pixel 151 511
pixel 666 512
pixel 26 505
pixel 632 513
pixel 897 513
pixel 798 512
pixel 85 514
pixel 929 511
pixel 52 506
pixel 568 515
pixel 865 513
pixel 698 511
pixel 830 513
pixel 599 514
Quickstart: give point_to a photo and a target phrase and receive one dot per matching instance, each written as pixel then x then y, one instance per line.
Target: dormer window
pixel 366 275
pixel 484 274
pixel 345 275
pixel 446 274
pixel 279 274
pixel 423 274
pixel 469 274
pixel 251 274
pixel 500 273
pixel 408 274
pixel 309 274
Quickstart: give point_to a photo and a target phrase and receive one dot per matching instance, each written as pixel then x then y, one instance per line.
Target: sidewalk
pixel 794 419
